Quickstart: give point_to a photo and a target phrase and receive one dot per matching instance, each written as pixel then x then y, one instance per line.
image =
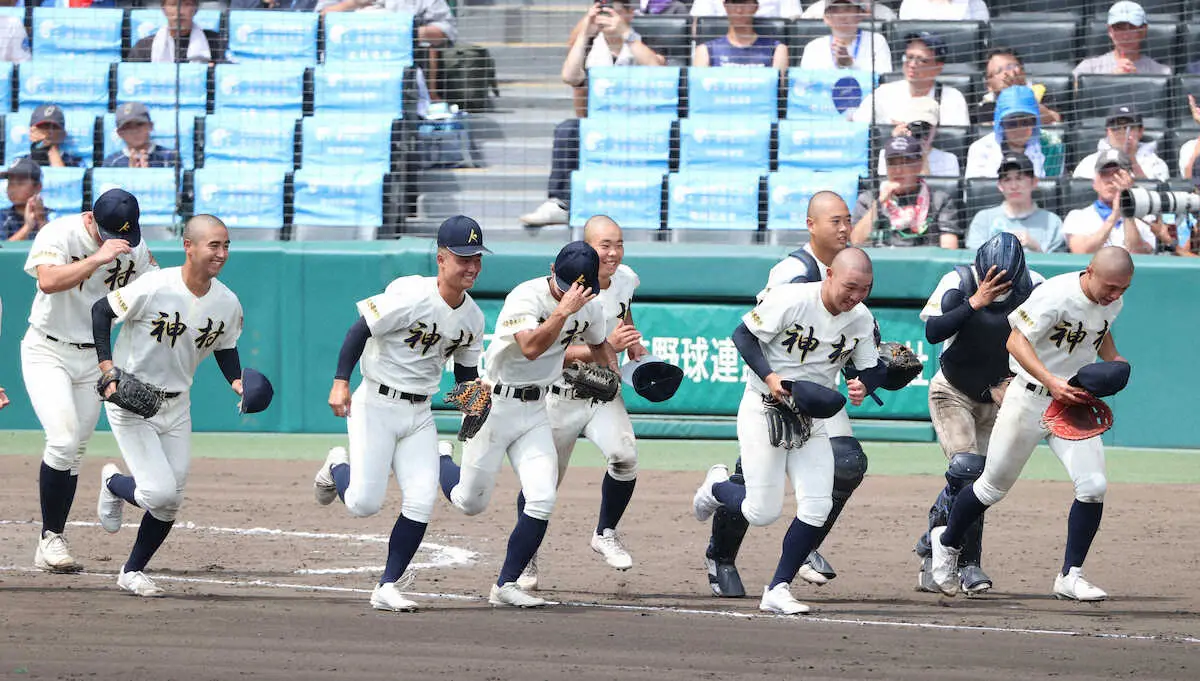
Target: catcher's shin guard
pixel 728 530
pixel 964 468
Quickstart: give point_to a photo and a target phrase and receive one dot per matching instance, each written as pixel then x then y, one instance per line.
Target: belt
pixel 525 393
pixel 77 346
pixel 567 393
pixel 396 394
pixel 1037 389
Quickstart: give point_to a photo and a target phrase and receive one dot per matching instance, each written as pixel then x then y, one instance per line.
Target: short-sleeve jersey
pixel 67 315
pixel 414 333
pixel 168 331
pixel 1064 326
pixel 617 299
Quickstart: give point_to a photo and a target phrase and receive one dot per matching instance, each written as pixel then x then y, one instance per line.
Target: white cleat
pixel 609 545
pixel 1072 586
pixel 110 507
pixel 445 448
pixel 528 581
pixel 138 584
pixel 511 594
pixel 704 504
pixel 324 489
pixel 388 597
pixel 53 555
pixel 779 600
pixel 809 574
pixel 551 212
pixel 944 563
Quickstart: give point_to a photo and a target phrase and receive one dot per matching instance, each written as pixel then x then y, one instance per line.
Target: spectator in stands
pixel 1016 127
pixel 135 128
pixel 181 40
pixel 1190 151
pixel 742 45
pixel 1004 68
pixel 1123 130
pixel 27 213
pixel 924 57
pixel 906 211
pixel 847 46
pixel 1038 230
pixel 944 10
pixel 1187 236
pixel 605 39
pixel 47 134
pixel 1091 228
pixel 876 10
pixel 665 7
pixel 14 43
pixel 435 22
pixel 920 123
pixel 1127 30
pixel 284 5
pixel 768 9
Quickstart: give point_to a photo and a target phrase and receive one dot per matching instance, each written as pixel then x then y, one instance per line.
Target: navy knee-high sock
pixel 730 494
pixel 56 491
pixel 151 535
pixel 123 486
pixel 966 510
pixel 797 544
pixel 1082 523
pixel 341 479
pixel 524 541
pixel 614 499
pixel 520 504
pixel 402 546
pixel 448 474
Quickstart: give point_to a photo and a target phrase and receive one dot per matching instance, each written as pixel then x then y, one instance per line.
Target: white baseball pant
pixel 606 424
pixel 61 382
pixel 158 452
pixel 961 423
pixel 838 425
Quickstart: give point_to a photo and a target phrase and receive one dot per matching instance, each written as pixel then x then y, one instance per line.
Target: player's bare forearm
pixel 1090 243
pixel 1022 350
pixel 577 353
pixel 604 355
pixel 534 342
pixel 56 278
pixel 1108 350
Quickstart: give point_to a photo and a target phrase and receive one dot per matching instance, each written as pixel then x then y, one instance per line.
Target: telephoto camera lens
pixel 1138 202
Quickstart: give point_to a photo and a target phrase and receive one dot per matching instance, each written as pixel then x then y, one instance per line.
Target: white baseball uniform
pixel 58 357
pixel 414 333
pixel 606 424
pixel 520 427
pixel 1066 330
pixel 167 332
pixel 801 340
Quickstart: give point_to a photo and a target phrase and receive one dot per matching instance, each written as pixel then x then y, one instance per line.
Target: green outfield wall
pixel 299 301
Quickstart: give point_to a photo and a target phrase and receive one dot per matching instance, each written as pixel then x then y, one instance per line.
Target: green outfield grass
pixel 1124 464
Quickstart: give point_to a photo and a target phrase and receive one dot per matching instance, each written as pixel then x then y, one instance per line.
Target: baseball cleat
pixel 974 580
pixel 445 448
pixel 388 597
pixel 609 545
pixel 324 488
pixel 724 580
pixel 779 600
pixel 550 212
pixel 1072 586
pixel 110 507
pixel 943 563
pixel 53 555
pixel 816 570
pixel 138 584
pixel 925 577
pixel 528 581
pixel 511 594
pixel 704 504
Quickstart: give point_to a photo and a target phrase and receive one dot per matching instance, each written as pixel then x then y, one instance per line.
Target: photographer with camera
pixel 47 136
pixel 920 118
pixel 1102 223
pixel 1123 130
pixel 1176 228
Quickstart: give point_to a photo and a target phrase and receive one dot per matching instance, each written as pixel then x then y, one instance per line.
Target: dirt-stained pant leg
pixel 961 424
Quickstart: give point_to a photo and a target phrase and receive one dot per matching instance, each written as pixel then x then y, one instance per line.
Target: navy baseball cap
pixel 577 262
pixel 903 147
pixel 1015 160
pixel 23 167
pixel 48 113
pixel 116 213
pixel 815 399
pixel 256 391
pixel 1102 378
pixel 1125 112
pixel 932 40
pixel 652 378
pixel 461 235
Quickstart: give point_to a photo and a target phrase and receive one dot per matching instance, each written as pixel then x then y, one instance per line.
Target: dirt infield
pixel 239 606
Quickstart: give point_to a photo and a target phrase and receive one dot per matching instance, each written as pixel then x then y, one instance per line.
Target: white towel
pixel 163 47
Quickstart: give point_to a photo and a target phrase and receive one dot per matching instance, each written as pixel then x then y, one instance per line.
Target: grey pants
pixel 961 423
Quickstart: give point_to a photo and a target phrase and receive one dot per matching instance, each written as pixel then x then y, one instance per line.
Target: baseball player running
pixel 1056 332
pixel 173 319
pixel 968 311
pixel 539 320
pixel 404 336
pixel 795 342
pixel 76 259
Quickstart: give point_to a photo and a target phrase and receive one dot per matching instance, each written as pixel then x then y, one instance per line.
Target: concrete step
pixel 518 23
pixel 523 124
pixel 517 153
pixel 527 59
pixel 543 94
pixel 482 179
pixel 499 209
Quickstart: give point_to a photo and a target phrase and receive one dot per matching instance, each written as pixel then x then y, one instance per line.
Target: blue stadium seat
pixel 708 200
pixel 351 198
pixel 832 144
pixel 156 85
pixel 94 34
pixel 146 22
pixel 718 143
pixel 62 189
pixel 733 91
pixel 631 196
pixel 359 88
pixel 6 74
pixel 264 140
pixel 818 93
pixel 263 88
pixel 272 36
pixel 633 89
pixel 369 37
pixel 163 135
pixel 155 189
pixel 81 134
pixel 341 142
pixel 614 140
pixel 789 191
pixel 246 197
pixel 70 83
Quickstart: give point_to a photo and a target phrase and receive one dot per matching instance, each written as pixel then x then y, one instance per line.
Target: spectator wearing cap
pixel 848 46
pixel 47 136
pixel 14 43
pixel 1123 130
pixel 1038 230
pixel 924 57
pixel 27 213
pixel 135 128
pixel 920 123
pixel 181 40
pixel 1127 30
pixel 742 45
pixel 1004 69
pixel 944 10
pixel 1093 227
pixel 906 211
pixel 1016 127
pixel 768 9
pixel 876 10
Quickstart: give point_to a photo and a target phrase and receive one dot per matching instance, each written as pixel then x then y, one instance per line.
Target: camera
pixel 1138 202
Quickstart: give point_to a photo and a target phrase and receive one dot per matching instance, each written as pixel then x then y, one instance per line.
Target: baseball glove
pixel 786 427
pixel 592 381
pixel 474 400
pixel 131 393
pixel 902 365
pixel 1077 421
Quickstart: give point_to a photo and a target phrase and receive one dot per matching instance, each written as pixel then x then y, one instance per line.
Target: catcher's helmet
pixel 1004 252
